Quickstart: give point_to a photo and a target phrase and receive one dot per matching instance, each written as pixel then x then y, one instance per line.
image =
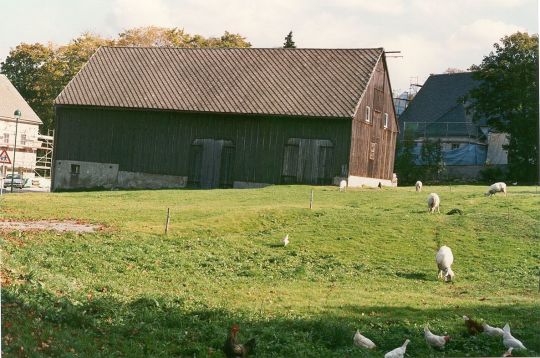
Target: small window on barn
pixel 386 120
pixel 75 169
pixel 368 114
pixel 6 138
pixel 455 146
pixel 23 139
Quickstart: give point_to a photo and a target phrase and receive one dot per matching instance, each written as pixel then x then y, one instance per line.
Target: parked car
pixel 16 180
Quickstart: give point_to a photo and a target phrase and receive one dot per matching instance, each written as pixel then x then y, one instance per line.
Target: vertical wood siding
pixel 159 142
pixel 372 139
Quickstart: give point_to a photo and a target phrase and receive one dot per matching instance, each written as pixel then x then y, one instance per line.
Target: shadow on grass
pixel 421 276
pixel 44 324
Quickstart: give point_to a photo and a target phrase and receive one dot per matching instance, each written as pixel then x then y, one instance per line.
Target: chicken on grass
pixel 363 342
pixel 434 340
pixel 399 352
pixel 233 349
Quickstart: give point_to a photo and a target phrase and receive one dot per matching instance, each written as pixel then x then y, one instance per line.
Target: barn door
pixel 211 163
pixel 227 166
pixel 307 161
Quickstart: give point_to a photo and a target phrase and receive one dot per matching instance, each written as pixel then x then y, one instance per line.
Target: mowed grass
pixel 363 259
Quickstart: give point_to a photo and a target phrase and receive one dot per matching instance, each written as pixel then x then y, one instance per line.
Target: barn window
pixel 455 146
pixel 23 139
pixel 368 114
pixel 6 138
pixel 386 120
pixel 75 169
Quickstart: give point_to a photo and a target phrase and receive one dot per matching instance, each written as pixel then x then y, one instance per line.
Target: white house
pixel 27 131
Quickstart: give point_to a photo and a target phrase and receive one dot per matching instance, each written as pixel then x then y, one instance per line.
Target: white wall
pixel 25 158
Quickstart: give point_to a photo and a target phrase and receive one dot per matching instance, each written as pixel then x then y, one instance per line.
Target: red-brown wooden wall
pixel 364 133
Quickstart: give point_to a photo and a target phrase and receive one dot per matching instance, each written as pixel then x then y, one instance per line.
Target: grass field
pixel 363 260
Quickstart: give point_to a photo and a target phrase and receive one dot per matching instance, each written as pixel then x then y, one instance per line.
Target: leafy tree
pixel 289 43
pixel 26 68
pixel 507 97
pixel 407 170
pixel 432 159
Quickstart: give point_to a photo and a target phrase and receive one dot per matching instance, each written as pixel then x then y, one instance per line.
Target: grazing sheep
pixel 499 187
pixel 343 185
pixel 444 259
pixel 418 186
pixel 433 202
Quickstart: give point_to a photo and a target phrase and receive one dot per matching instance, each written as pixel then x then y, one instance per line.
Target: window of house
pixel 23 139
pixel 455 146
pixel 6 138
pixel 386 120
pixel 75 169
pixel 368 114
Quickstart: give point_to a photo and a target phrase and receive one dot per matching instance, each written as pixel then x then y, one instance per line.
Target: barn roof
pixel 11 100
pixel 297 82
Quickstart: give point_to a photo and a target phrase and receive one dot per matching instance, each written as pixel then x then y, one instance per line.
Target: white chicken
pixel 434 340
pixel 509 341
pixel 492 331
pixel 286 240
pixel 363 342
pixel 398 352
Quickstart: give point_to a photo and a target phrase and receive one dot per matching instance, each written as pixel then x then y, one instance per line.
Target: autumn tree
pixel 507 97
pixel 26 68
pixel 289 43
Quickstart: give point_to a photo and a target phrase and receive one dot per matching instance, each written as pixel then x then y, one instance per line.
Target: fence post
pixel 167 222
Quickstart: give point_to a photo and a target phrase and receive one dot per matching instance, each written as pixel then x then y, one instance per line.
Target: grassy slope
pixel 361 259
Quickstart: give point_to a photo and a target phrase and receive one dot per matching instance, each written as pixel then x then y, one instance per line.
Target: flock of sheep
pixel 444 259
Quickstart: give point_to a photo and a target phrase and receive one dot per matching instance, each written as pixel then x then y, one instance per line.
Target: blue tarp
pixel 468 154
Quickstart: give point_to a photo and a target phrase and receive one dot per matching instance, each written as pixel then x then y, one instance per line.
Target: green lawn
pixel 364 259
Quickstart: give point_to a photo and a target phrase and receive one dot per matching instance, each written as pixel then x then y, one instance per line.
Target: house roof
pixel 439 106
pixel 296 82
pixel 11 100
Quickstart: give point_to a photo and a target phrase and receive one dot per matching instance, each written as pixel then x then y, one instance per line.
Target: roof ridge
pixel 249 48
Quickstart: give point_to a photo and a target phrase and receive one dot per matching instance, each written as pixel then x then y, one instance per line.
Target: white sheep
pixel 433 202
pixel 444 259
pixel 343 185
pixel 418 186
pixel 499 187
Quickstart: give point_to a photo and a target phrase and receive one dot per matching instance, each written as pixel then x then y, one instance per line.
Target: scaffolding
pixel 44 154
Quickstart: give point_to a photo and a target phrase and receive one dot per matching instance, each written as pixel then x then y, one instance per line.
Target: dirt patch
pixel 60 226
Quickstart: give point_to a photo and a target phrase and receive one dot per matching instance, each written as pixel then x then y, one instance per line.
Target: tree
pixel 507 97
pixel 289 43
pixel 432 159
pixel 407 170
pixel 26 68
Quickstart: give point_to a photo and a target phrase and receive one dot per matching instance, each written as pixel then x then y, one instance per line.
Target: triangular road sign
pixel 4 157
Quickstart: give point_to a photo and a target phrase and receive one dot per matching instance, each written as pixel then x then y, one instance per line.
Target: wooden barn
pixel 208 118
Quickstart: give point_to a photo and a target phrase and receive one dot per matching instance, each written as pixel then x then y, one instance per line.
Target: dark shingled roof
pixel 296 82
pixel 438 104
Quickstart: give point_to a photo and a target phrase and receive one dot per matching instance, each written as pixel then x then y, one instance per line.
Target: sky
pixel 432 35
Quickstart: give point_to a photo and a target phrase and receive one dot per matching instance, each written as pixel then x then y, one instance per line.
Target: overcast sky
pixel 432 35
